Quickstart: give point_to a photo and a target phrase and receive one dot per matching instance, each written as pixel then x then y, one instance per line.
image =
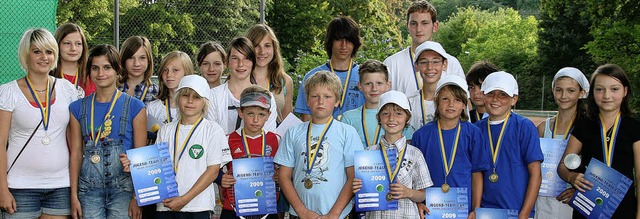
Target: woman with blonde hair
pixel 34 165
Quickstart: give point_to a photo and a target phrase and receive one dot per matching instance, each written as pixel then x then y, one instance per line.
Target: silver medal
pixel 46 140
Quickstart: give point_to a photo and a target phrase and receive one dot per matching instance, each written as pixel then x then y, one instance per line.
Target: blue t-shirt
pixel 520 146
pixel 471 155
pixel 354 118
pixel 101 110
pixel 353 99
pixel 328 172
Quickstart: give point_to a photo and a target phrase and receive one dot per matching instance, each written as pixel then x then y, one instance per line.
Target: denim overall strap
pixel 83 117
pixel 124 118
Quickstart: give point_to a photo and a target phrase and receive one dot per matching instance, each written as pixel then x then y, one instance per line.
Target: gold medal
pixel 493 177
pixel 95 158
pixel 107 129
pixel 445 187
pixel 389 197
pixel 308 184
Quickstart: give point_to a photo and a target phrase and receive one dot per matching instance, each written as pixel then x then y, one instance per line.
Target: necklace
pixel 40 91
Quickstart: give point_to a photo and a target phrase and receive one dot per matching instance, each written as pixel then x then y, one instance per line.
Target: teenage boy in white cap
pixel 249 141
pixel 514 178
pixel 413 174
pixel 196 158
pixel 430 60
pixel 421 23
pixel 451 144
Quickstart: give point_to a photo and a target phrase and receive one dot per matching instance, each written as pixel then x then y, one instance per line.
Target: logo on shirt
pixel 196 151
pixel 237 151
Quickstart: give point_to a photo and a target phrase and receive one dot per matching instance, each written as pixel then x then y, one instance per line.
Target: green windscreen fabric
pixel 17 16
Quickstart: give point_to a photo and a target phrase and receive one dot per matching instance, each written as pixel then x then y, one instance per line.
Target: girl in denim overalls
pixel 103 126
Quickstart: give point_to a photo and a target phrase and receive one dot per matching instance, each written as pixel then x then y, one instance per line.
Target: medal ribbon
pixel 114 97
pixel 245 144
pixel 75 81
pixel 607 148
pixel 454 148
pixel 415 73
pixel 146 88
pixel 567 131
pixel 392 174
pixel 176 159
pixel 376 137
pixel 494 152
pixel 478 118
pixel 167 106
pixel 346 83
pixel 45 111
pixel 312 156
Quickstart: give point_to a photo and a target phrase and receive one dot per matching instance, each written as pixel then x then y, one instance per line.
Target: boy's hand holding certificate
pixel 152 173
pixel 255 190
pixel 374 194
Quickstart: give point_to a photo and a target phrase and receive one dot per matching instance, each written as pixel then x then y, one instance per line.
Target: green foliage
pixel 503 37
pixel 616 37
pixel 169 24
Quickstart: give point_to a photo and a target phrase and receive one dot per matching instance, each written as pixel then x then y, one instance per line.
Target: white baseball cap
pixel 430 45
pixel 453 80
pixel 500 80
pixel 396 97
pixel 575 74
pixel 197 83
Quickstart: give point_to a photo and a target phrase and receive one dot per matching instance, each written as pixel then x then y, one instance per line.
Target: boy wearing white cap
pixel 514 177
pixel 430 60
pixel 249 141
pixel 451 144
pixel 196 158
pixel 569 88
pixel 413 174
pixel 421 24
pixel 374 81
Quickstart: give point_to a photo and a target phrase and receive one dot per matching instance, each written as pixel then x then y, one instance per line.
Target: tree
pixel 563 32
pixel 616 37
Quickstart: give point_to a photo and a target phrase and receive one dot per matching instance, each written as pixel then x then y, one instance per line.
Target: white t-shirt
pixel 417 113
pixel 227 112
pixel 39 166
pixel 403 77
pixel 199 153
pixel 157 114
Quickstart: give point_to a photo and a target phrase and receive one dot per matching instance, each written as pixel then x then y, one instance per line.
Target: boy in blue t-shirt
pixel 514 178
pixel 341 44
pixel 374 81
pixel 316 157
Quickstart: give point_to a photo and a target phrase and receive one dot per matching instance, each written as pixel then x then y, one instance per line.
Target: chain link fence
pixel 169 24
pixel 16 16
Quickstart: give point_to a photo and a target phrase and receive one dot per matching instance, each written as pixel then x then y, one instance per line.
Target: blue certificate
pixel 369 167
pixel 552 185
pixel 152 172
pixel 495 213
pixel 255 190
pixel 453 204
pixel 609 187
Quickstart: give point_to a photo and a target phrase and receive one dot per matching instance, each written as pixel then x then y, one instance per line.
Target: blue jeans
pixel 32 203
pixel 104 189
